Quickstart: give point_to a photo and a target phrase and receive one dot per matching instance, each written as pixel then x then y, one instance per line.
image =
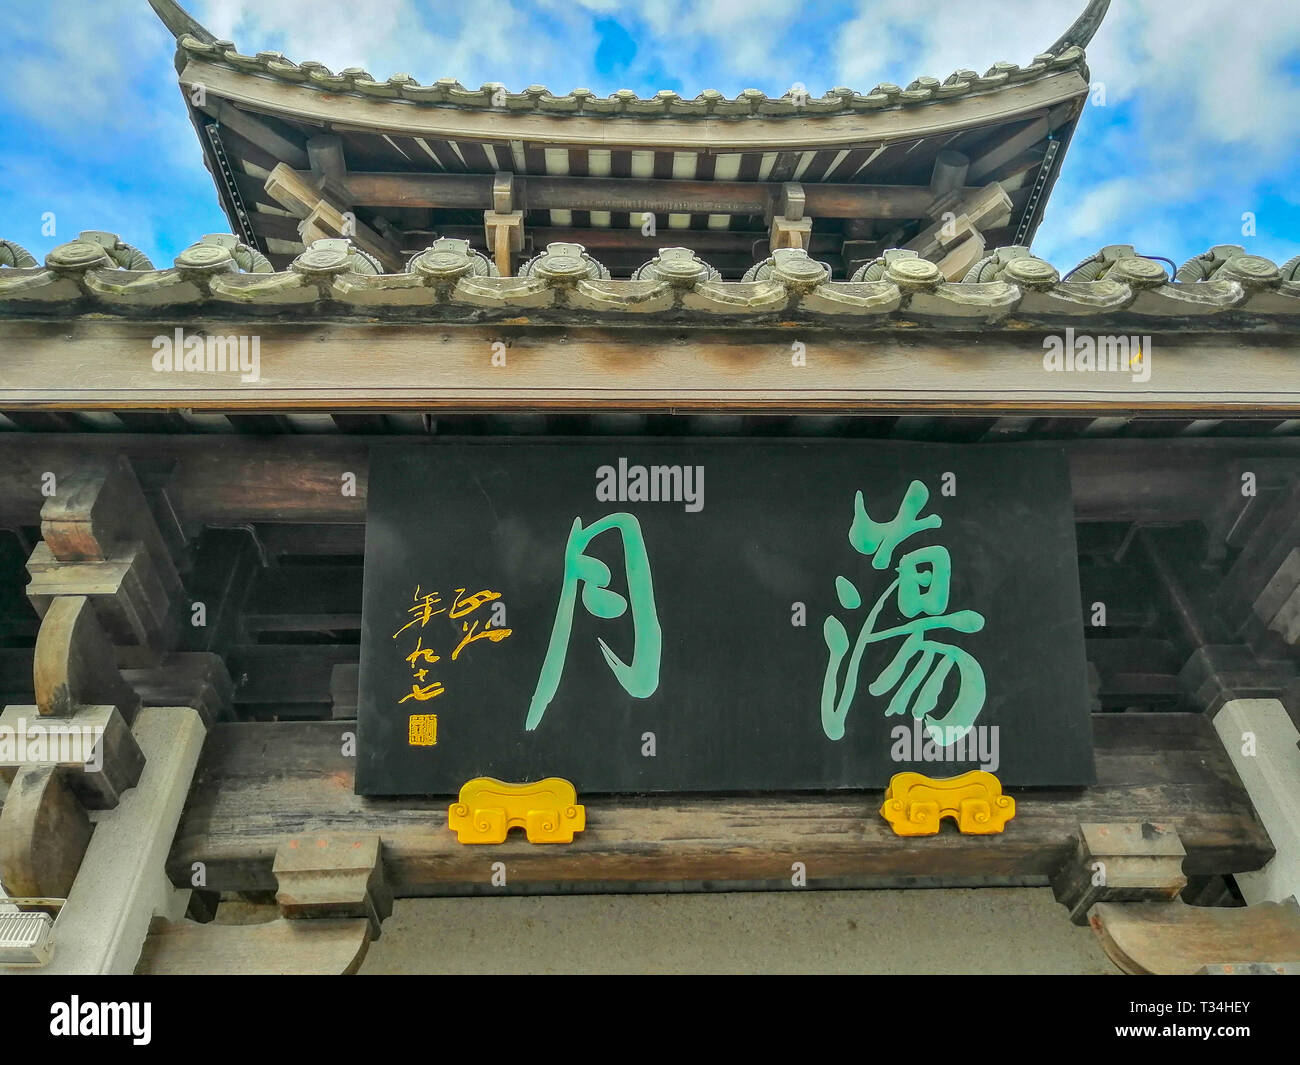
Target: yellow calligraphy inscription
pixel 915 804
pixel 460 607
pixel 472 633
pixel 422 693
pixel 423 730
pixel 423 610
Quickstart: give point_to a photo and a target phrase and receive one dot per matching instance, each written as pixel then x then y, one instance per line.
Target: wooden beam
pixel 97 512
pixel 663 195
pixel 610 241
pixel 253 129
pixel 950 169
pixel 96 771
pixel 235 480
pixel 958 260
pixel 1008 147
pixel 259 784
pixel 329 167
pixel 959 222
pixel 330 876
pixel 317 365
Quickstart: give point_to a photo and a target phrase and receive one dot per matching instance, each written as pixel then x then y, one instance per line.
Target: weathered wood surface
pixel 97 365
pixel 275 948
pixel 1173 939
pixel 97 772
pixel 260 784
pixel 545 193
pixel 343 113
pixel 1121 863
pixel 124 590
pixel 237 480
pixel 98 511
pixel 330 876
pixel 44 832
pixel 74 663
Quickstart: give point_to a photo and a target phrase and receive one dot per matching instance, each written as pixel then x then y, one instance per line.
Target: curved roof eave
pixel 989 97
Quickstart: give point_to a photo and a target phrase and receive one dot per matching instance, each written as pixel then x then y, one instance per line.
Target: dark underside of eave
pixel 616 239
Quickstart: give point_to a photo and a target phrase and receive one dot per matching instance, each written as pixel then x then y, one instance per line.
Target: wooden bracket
pixel 73 664
pixel 503 192
pixel 915 804
pixel 1174 939
pixel 275 948
pixel 322 217
pixel 949 174
pixel 505 238
pixel 788 233
pixel 954 240
pixel 546 810
pixel 44 833
pixel 332 876
pixel 791 202
pixel 329 167
pixel 197 679
pixel 97 512
pixel 94 749
pixel 125 591
pixel 1136 862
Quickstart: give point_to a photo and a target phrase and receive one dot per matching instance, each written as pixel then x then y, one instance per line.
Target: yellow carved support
pixel 915 804
pixel 547 811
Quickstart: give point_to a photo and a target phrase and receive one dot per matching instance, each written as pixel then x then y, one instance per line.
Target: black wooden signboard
pixel 719 616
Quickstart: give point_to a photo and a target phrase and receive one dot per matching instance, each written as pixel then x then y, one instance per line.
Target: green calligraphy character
pixel 640 677
pixel 923 584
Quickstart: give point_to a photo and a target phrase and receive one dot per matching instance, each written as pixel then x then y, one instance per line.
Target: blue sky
pixel 1200 123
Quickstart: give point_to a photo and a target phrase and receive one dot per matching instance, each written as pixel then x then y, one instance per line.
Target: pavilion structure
pixel 949 169
pixel 428 261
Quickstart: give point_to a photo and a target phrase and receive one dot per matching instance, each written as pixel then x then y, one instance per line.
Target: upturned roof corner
pixel 1084 28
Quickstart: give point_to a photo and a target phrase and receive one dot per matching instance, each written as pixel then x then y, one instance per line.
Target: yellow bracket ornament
pixel 915 804
pixel 488 809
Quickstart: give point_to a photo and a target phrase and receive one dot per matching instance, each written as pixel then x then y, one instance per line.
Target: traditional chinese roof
pixel 99 275
pixel 294 146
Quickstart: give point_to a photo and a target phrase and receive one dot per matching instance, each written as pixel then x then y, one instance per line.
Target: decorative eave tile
pixel 271 291
pixel 856 298
pixel 983 301
pixel 137 289
pixel 36 285
pixel 379 291
pixel 736 297
pixel 503 293
pixel 621 297
pixel 1178 301
pixel 1075 299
